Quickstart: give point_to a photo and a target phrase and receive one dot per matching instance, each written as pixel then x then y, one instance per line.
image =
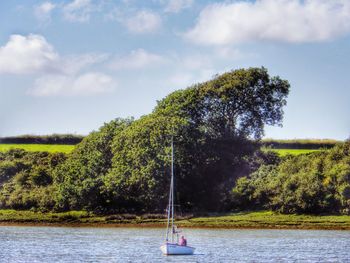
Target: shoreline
pixel 241 220
pixel 130 225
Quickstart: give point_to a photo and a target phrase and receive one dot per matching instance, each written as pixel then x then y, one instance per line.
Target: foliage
pixel 79 179
pixel 313 183
pixel 299 143
pixel 27 179
pixel 38 147
pixel 211 123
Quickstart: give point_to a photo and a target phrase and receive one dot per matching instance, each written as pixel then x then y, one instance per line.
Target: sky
pixel 68 66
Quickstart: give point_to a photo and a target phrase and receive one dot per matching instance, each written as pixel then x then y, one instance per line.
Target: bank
pixel 262 219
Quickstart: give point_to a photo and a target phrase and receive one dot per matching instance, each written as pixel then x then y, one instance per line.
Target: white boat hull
pixel 175 249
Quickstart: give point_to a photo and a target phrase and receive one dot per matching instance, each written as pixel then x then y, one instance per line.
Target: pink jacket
pixel 183 242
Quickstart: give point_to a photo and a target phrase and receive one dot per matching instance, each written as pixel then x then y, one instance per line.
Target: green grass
pixel 284 152
pixel 268 219
pixel 69 148
pixel 38 147
pixel 263 219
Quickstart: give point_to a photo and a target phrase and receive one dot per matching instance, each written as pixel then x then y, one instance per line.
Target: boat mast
pixel 171 199
pixel 172 189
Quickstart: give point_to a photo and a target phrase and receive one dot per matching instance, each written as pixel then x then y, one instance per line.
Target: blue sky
pixel 69 66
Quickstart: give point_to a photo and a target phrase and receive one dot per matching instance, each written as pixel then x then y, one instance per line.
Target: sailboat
pixel 172 245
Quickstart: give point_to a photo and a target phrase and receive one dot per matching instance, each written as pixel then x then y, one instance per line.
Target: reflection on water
pixel 60 244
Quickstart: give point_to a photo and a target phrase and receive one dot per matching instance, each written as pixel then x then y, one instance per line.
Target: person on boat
pixel 183 241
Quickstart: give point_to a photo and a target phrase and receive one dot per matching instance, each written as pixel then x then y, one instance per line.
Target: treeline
pixel 312 183
pixel 125 165
pixel 70 139
pixel 299 143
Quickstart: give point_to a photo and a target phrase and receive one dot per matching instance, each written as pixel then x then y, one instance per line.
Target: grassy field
pixel 264 219
pixel 284 152
pixel 268 219
pixel 69 148
pixel 38 147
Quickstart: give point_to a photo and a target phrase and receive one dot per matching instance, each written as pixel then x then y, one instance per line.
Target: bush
pixel 27 179
pixel 314 183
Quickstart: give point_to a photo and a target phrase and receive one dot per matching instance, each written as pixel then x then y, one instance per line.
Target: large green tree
pixel 212 124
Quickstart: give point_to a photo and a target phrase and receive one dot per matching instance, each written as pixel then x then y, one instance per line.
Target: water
pixel 63 244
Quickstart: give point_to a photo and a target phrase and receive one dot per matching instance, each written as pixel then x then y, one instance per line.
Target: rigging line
pixel 169 208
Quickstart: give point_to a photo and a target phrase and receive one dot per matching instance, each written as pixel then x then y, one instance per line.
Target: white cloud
pixel 293 21
pixel 175 6
pixel 181 79
pixel 32 54
pixel 143 22
pixel 188 69
pixel 43 11
pixel 78 11
pixel 232 53
pixel 27 54
pixel 91 83
pixel 137 59
pixel 56 75
pixel 195 61
pixel 74 63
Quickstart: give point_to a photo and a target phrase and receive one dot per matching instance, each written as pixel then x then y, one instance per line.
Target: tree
pixel 235 104
pixel 79 179
pixel 214 122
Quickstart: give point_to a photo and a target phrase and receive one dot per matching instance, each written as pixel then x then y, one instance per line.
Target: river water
pixel 71 244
